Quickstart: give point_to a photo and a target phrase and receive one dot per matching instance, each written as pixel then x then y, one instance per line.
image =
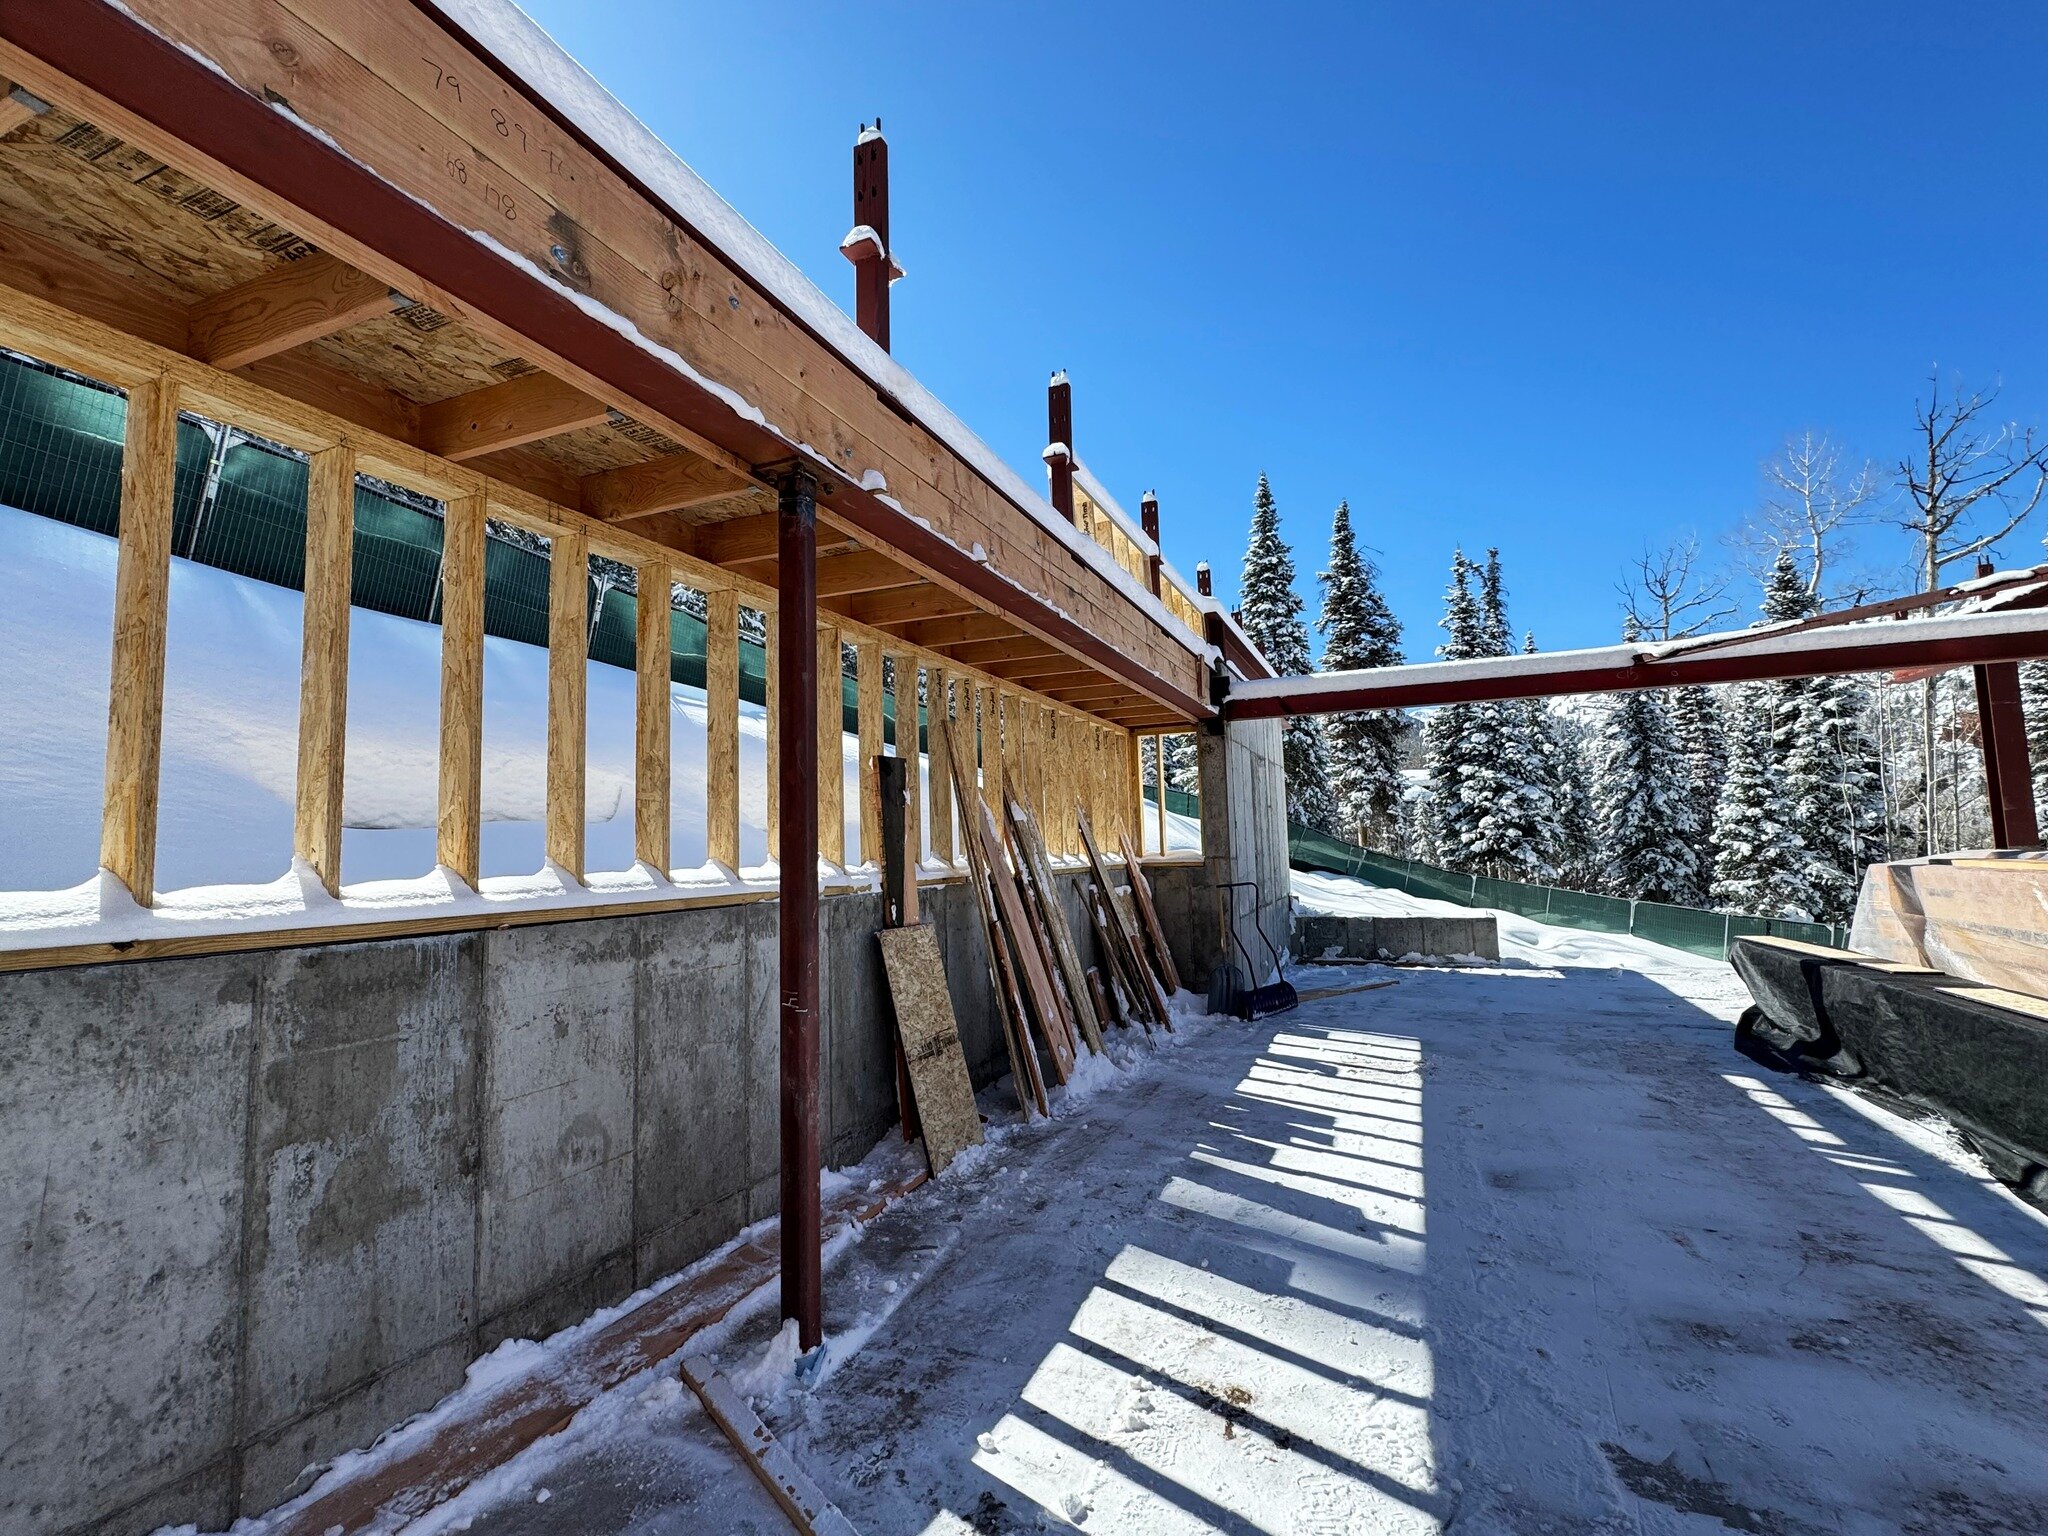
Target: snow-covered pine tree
pixel 1554 770
pixel 1647 833
pixel 1506 780
pixel 1360 630
pixel 1703 749
pixel 1576 851
pixel 1826 762
pixel 1448 735
pixel 1270 613
pixel 1755 853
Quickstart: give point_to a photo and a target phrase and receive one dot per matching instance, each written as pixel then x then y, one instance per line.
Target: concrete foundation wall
pixel 259 1206
pixel 1244 838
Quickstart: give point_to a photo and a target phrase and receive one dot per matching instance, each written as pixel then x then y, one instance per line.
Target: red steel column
pixel 1148 519
pixel 1059 442
pixel 2008 771
pixel 796 724
pixel 874 269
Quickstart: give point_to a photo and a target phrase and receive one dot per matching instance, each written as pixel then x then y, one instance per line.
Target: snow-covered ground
pixel 1512 1249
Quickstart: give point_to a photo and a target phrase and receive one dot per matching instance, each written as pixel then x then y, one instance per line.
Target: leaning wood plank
pixel 653 757
pixel 1121 936
pixel 1129 992
pixel 777 1471
pixel 722 727
pixel 568 667
pixel 939 1084
pixel 1141 893
pixel 302 301
pixel 462 687
pixel 135 707
pixel 388 1492
pixel 1038 987
pixel 1037 873
pixel 323 662
pixel 1024 1077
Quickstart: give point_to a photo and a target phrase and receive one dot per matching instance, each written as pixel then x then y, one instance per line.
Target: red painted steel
pixel 1059 433
pixel 1148 519
pixel 1880 655
pixel 797 725
pixel 871 207
pixel 109 52
pixel 2008 769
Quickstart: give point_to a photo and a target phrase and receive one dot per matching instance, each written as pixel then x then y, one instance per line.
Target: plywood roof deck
pixel 109 211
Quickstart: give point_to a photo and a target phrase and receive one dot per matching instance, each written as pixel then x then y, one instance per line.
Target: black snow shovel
pixel 1230 991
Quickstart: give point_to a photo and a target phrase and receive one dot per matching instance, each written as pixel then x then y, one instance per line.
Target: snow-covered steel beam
pixel 1956 640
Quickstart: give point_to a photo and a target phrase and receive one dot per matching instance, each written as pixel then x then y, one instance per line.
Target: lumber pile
pixel 1052 1006
pixel 1983 919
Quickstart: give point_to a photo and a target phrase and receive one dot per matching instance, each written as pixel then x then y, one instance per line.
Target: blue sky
pixel 1553 277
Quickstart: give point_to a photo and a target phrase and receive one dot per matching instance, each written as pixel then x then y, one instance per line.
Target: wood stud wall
pixel 1054 753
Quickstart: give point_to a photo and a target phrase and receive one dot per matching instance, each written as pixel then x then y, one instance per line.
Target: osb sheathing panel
pixel 401 96
pixel 65 178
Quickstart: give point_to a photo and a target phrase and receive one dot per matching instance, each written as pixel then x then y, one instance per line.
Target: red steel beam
pixel 109 52
pixel 1953 641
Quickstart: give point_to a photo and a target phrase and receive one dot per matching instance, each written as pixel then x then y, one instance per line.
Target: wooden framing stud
pixel 722 728
pixel 135 701
pixel 653 733
pixel 868 699
pixel 323 667
pixel 458 842
pixel 903 666
pixel 831 749
pixel 771 648
pixel 568 668
pixel 939 710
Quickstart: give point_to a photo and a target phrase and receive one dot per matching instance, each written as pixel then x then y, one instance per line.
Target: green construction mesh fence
pixel 1691 929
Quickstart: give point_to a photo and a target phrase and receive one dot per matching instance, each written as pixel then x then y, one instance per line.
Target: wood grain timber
pixel 98 350
pixel 831 748
pixel 903 670
pixel 376 81
pixel 135 700
pixel 521 410
pixel 652 732
pixel 989 714
pixel 17 106
pixel 987 653
pixel 458 842
pixel 722 727
pixel 301 302
pixel 939 711
pixel 861 572
pixel 891 610
pixel 323 668
pixel 938 634
pixel 868 701
pixel 769 646
pixel 671 484
pixel 568 667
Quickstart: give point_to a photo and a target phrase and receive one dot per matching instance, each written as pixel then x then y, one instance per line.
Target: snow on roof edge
pixel 523 47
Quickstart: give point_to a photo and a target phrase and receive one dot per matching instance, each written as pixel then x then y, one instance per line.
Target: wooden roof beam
pixel 1015 648
pixel 17 106
pixel 887 610
pixel 668 484
pixel 861 572
pixel 521 410
pixel 299 302
pixel 934 634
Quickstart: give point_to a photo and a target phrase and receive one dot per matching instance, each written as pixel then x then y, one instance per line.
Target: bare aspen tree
pixel 1963 465
pixel 1812 498
pixel 1667 595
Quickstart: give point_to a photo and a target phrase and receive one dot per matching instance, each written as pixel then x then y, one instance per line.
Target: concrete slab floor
pixel 1511 1250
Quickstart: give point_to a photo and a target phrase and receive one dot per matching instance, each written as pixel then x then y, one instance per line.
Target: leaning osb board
pixel 931 1043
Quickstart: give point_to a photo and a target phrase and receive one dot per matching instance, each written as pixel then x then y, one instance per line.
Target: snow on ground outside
pixel 231 750
pixel 1515 1248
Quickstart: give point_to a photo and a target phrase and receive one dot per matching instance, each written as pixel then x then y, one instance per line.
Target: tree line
pixel 1765 799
